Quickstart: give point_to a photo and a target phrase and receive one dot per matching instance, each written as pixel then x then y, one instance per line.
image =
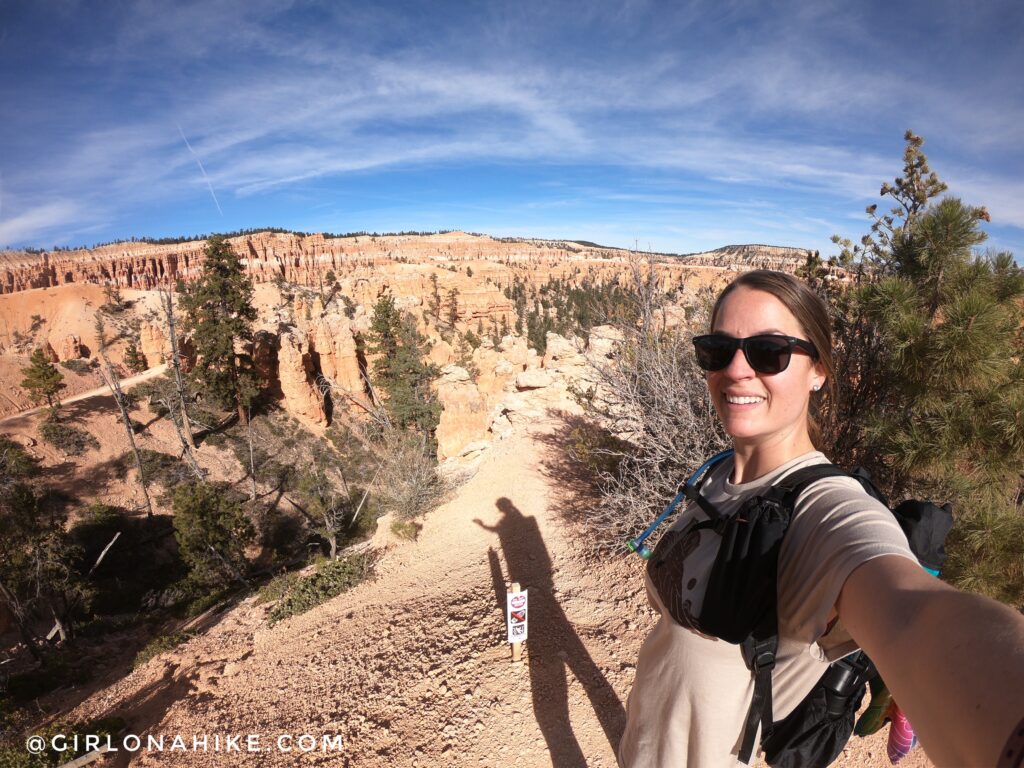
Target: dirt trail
pixel 412 669
pixel 103 391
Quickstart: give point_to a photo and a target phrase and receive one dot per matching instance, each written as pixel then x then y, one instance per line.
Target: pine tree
pixel 219 311
pixel 133 358
pixel 212 532
pixel 400 369
pixel 453 307
pixel 464 346
pixel 42 379
pixel 930 389
pixel 434 300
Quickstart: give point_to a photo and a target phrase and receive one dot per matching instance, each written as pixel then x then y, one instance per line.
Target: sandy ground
pixel 412 669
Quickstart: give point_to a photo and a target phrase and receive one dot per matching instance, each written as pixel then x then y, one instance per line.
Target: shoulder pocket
pixel 741 596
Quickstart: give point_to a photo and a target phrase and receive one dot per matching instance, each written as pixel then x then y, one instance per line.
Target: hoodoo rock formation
pixel 335 346
pixel 316 294
pixel 307 259
pixel 302 398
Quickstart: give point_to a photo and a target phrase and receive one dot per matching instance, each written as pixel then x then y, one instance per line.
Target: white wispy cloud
pixel 42 219
pixel 722 97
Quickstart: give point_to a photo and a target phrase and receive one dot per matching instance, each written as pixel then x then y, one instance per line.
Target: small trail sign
pixel 517 605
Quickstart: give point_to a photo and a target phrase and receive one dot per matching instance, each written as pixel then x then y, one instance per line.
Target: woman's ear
pixel 819 378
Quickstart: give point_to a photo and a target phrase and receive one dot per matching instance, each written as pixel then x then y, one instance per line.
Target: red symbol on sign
pixel 518 601
pixel 518 616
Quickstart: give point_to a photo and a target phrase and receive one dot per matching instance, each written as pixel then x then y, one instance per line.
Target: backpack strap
pixel 693 491
pixel 787 490
pixel 759 654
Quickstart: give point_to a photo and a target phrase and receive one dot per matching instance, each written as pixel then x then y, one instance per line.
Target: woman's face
pixel 756 408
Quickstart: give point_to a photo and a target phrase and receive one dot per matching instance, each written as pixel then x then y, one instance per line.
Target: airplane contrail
pixel 201 169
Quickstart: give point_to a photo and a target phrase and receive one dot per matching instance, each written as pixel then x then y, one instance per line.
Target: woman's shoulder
pixel 838 507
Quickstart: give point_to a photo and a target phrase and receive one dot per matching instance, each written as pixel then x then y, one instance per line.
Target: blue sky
pixel 675 126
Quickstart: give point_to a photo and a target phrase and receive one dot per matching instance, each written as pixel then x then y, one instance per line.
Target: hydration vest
pixel 740 606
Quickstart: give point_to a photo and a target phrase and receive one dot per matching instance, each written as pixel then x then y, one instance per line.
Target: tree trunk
pixel 229 567
pixel 167 302
pixel 114 383
pixel 252 462
pixel 186 447
pixel 58 627
pixel 243 415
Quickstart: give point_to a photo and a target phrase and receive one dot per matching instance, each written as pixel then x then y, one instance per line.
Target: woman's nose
pixel 738 367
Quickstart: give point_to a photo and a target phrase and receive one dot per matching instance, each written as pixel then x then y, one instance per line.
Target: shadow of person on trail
pixel 553 643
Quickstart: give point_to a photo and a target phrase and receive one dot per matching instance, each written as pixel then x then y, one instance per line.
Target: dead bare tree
pixel 408 483
pixel 657 422
pixel 167 304
pixel 324 505
pixel 252 458
pixel 113 382
pixel 375 409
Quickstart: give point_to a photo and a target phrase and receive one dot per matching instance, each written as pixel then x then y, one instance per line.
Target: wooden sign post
pixel 517 634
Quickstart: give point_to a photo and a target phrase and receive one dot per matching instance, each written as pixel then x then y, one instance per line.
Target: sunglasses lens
pixel 714 352
pixel 767 354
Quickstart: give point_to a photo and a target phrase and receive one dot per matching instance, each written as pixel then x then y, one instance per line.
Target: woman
pixel 846 575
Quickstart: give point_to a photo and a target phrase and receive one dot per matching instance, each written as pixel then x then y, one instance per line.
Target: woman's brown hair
pixel 809 310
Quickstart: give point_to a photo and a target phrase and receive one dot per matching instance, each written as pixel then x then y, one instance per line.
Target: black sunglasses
pixel 766 353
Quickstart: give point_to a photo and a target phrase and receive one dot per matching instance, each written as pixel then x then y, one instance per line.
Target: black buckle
pixel 762 661
pixel 759 655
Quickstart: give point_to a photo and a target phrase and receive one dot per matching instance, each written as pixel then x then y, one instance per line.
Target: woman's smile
pixel 767 412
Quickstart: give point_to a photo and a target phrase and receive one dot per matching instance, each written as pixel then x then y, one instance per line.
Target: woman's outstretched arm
pixel 954 661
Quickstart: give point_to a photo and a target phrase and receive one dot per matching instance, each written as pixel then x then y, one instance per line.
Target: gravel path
pixel 412 669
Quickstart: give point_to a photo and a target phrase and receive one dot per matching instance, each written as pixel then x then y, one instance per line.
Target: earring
pixel 815 388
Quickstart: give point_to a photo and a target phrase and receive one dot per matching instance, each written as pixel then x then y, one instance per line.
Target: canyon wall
pixel 306 260
pixel 315 296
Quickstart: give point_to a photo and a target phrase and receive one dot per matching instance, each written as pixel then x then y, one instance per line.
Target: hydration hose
pixel 637 545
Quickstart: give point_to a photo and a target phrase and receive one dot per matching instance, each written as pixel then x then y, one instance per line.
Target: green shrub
pixel 159 645
pixel 15 461
pixel 100 514
pixel 105 625
pixel 205 602
pixel 77 365
pixel 162 468
pixel 212 532
pixel 406 529
pixel 72 440
pixel 276 588
pixel 330 579
pixel 53 673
